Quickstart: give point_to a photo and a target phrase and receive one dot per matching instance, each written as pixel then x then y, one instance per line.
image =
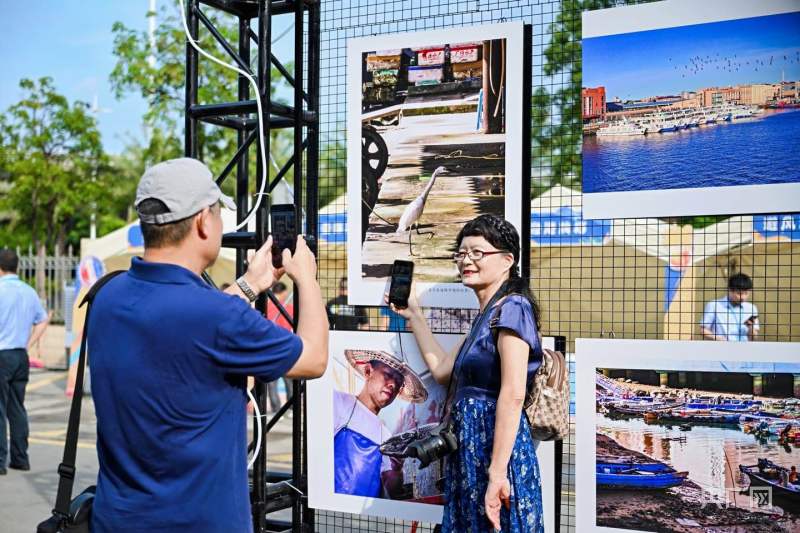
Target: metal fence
pixel 51 276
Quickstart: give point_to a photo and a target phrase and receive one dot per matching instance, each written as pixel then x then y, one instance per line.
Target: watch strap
pixel 246 289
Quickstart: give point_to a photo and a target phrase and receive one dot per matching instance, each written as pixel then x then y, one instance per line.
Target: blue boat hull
pixel 617 467
pixel 640 481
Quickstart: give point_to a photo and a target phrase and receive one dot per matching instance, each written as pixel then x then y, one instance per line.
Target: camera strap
pixel 472 337
pixel 66 470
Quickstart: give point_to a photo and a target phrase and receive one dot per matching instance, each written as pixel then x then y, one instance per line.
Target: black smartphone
pixel 400 286
pixel 283 227
pixel 752 319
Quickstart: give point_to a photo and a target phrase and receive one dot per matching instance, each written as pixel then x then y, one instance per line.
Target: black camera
pixel 427 443
pixel 440 443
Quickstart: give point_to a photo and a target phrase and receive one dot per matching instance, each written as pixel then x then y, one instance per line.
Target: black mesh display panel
pixel 613 289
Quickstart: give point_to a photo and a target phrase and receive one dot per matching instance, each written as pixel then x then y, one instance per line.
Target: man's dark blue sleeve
pixel 249 344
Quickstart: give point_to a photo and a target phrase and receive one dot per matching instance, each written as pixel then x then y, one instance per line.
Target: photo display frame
pixel 667 436
pixel 341 380
pixel 678 115
pixel 434 139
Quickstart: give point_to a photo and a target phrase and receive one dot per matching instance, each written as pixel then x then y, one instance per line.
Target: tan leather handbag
pixel 547 402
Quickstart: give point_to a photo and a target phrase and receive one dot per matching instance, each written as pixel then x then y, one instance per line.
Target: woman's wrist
pixel 496 474
pixel 416 317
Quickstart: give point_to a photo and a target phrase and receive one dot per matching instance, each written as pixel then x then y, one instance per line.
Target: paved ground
pixel 26 498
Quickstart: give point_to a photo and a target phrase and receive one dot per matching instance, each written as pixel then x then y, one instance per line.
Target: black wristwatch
pixel 246 289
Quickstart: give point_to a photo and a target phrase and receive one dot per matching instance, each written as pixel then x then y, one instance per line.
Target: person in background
pixel 281 292
pixel 391 321
pixel 732 317
pixel 22 322
pixel 342 315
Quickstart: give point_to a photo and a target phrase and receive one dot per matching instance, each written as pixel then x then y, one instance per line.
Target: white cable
pixel 264 179
pixel 264 167
pixel 258 428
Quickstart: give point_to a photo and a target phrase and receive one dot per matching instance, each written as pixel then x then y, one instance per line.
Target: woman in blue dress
pixel 492 481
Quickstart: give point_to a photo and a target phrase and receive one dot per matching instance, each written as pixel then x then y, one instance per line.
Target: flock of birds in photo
pixel 697 64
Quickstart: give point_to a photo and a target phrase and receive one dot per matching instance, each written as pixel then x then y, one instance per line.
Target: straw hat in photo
pixel 412 390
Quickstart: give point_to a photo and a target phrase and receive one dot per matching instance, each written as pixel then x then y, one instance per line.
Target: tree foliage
pixel 556 118
pixel 53 160
pixel 157 75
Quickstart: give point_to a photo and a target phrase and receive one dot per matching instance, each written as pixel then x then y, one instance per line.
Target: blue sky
pixel 71 41
pixel 668 61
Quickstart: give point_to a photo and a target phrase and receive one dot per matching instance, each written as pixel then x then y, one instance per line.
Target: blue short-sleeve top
pixel 477 371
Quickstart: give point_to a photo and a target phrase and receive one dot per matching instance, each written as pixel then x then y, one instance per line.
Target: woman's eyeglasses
pixel 475 255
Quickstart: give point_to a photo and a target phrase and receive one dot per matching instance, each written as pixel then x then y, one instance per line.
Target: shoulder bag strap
pixel 465 347
pixel 66 470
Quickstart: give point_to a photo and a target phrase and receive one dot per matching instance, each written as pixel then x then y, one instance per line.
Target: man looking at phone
pixel 169 357
pixel 732 317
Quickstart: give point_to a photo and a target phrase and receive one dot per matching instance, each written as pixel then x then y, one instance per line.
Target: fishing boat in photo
pixel 768 474
pixel 622 128
pixel 637 476
pixel 765 425
pixel 679 416
pixel 634 408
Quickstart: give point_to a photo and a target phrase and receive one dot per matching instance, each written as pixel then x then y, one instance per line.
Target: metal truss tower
pixel 270 491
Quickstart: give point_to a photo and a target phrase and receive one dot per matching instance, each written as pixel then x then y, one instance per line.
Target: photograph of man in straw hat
pixel 359 467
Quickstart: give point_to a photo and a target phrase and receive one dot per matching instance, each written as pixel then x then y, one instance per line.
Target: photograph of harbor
pixel 697 110
pixel 690 451
pixel 435 115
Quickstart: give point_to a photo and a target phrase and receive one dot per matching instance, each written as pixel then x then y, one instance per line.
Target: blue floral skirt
pixel 467 475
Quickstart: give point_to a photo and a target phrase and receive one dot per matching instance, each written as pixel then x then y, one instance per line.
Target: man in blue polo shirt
pixel 732 317
pixel 22 322
pixel 169 358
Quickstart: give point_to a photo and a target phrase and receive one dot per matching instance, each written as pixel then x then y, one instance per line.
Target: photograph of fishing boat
pixel 688 443
pixel 674 104
pixel 436 119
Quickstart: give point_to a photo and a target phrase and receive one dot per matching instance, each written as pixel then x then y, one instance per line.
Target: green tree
pixel 162 83
pixel 556 118
pixel 55 170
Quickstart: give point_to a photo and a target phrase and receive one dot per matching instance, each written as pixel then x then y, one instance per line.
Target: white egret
pixel 413 211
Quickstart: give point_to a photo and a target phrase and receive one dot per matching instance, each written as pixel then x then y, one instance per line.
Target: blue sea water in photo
pixel 757 151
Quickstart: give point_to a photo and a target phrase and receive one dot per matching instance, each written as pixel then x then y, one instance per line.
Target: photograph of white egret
pixel 434 117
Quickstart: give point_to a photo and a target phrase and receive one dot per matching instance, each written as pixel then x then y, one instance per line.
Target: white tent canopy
pixel 117 248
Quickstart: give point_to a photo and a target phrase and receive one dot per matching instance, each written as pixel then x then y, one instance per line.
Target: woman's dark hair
pixel 504 236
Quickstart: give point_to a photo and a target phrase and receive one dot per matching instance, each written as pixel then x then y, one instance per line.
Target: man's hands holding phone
pixel 302 265
pixel 261 274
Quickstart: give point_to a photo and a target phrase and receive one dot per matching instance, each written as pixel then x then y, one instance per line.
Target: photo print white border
pixel 727 200
pixel 694 356
pixel 321 494
pixel 452 295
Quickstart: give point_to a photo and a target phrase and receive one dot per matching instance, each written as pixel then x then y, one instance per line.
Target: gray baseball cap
pixel 185 185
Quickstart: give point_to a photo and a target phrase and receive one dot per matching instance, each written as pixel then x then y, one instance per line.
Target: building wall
pixel 721 95
pixel 758 93
pixel 594 102
pixel 692 102
pixel 788 90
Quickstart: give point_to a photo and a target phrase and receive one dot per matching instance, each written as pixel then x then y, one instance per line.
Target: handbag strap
pixel 465 347
pixel 66 470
